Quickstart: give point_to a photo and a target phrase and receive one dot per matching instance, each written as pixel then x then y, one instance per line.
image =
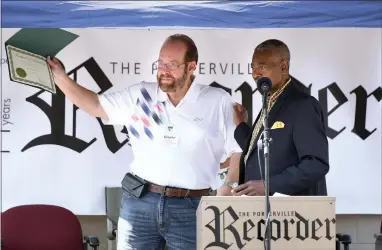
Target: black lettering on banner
pixel 246 229
pixel 153 68
pixel 278 230
pixel 212 68
pixel 201 68
pixel 6 122
pixel 361 109
pixel 113 63
pixel 215 68
pixel 56 116
pixel 286 228
pixel 247 99
pixel 232 68
pixel 314 229
pixel 323 99
pixel 225 68
pixel 259 231
pixel 216 229
pixel 246 92
pixel 6 114
pixel 239 72
pixel 327 227
pixel 4 61
pixel 301 226
pixel 56 112
pixel 217 85
pixel 137 68
pixel 126 68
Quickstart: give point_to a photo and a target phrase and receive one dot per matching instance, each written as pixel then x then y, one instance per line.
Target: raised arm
pixel 114 108
pixel 83 98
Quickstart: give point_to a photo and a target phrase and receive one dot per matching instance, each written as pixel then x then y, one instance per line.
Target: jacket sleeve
pixel 309 137
pixel 242 135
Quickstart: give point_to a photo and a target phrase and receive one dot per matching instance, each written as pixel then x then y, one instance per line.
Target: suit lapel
pixel 280 102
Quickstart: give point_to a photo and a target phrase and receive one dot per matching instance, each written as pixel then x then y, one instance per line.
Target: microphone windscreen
pixel 264 84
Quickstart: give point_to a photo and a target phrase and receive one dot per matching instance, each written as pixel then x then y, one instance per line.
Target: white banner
pixel 56 154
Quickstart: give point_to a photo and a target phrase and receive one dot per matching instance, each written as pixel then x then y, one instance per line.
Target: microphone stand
pixel 266 149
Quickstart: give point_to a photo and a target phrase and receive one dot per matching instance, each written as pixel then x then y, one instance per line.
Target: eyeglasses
pixel 170 66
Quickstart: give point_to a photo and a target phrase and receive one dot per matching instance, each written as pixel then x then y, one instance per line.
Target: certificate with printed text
pixel 30 69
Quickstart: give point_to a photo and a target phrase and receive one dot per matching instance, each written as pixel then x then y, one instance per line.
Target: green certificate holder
pixel 27 51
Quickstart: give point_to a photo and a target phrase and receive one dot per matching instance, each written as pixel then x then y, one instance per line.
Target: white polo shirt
pixel 186 150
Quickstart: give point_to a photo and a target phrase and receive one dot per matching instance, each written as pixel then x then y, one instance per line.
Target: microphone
pixel 264 84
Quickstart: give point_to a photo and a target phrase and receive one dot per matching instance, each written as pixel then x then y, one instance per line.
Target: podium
pixel 238 223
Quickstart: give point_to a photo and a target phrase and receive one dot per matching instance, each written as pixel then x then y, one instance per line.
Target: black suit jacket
pixel 299 154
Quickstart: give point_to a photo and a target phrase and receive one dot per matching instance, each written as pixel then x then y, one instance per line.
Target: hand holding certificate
pixel 27 53
pixel 55 66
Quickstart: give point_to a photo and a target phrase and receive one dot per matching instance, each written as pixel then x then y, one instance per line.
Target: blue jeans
pixel 154 220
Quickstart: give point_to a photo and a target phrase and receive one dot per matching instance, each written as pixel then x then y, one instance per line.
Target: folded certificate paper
pixel 27 51
pixel 30 69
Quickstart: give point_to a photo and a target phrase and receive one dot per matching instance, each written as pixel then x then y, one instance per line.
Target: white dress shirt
pixel 187 149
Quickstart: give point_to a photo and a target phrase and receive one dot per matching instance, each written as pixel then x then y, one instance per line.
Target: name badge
pixel 170 135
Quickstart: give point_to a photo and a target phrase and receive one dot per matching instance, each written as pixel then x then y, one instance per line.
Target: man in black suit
pixel 299 155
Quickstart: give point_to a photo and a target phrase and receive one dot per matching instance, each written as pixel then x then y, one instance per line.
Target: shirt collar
pixel 278 92
pixel 191 95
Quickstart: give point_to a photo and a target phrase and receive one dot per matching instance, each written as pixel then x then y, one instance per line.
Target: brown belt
pixel 178 192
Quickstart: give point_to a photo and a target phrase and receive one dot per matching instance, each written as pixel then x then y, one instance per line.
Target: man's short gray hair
pixel 274 44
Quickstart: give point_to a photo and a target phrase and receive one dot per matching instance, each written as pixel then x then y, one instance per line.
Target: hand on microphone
pixel 240 113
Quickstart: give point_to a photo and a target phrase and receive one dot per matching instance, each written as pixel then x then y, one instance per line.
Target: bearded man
pixel 187 130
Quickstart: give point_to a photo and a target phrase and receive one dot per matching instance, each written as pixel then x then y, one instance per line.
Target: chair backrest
pixel 40 227
pixel 378 239
pixel 113 203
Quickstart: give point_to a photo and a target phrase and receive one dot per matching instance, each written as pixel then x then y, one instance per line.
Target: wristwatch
pixel 232 184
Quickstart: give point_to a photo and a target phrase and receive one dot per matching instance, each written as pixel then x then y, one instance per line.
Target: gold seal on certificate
pixel 27 51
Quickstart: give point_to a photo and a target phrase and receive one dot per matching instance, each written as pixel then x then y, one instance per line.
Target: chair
pixel 113 203
pixel 43 227
pixel 378 239
pixel 343 239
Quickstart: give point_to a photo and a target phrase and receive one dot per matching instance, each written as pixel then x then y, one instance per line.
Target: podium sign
pixel 297 222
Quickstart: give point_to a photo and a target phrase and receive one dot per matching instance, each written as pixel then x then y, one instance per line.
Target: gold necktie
pixel 256 130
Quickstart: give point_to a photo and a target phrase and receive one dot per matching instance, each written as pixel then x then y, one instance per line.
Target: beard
pixel 173 84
